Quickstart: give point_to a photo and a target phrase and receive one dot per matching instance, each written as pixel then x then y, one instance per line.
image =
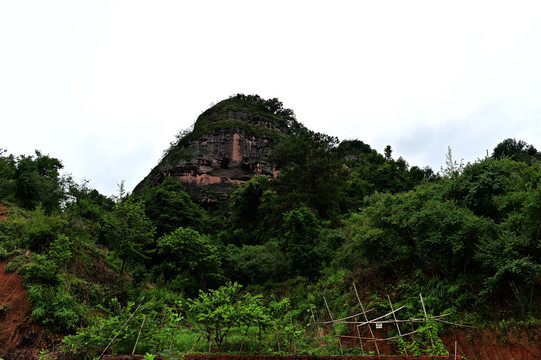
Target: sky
pixel 104 86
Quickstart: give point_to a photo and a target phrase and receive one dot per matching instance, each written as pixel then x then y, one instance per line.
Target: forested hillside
pixel 332 214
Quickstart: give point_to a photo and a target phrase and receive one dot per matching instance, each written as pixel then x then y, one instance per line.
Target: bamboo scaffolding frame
pixel 359 334
pixel 426 318
pixel 412 320
pixel 381 317
pixel 330 314
pixel 375 339
pixel 341 321
pixel 366 318
pixel 394 316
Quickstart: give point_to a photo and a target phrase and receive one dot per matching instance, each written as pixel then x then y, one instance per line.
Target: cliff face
pixel 229 144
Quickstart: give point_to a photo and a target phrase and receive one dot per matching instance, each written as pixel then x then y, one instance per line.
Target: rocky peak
pixel 229 144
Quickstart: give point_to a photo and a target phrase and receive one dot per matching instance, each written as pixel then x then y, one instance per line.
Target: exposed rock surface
pixel 229 144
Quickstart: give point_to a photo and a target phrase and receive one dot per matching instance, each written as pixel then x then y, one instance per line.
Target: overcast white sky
pixel 105 85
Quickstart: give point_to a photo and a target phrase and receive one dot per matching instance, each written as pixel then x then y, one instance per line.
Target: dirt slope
pixel 19 339
pixel 3 211
pixel 522 343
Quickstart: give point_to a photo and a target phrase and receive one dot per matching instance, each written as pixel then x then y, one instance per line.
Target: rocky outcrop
pixel 229 144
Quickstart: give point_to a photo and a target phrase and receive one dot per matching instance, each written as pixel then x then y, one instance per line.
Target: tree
pixel 218 311
pixel 452 167
pixel 245 205
pixel 128 231
pixel 85 202
pixel 37 182
pixel 479 184
pixel 8 168
pixel 517 150
pixel 188 260
pixel 513 266
pixel 300 232
pixel 169 207
pixel 310 172
pixel 388 152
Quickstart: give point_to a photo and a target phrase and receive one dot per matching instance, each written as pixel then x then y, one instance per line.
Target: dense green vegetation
pixel 467 238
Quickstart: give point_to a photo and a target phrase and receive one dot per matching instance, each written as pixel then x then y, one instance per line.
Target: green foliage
pixel 124 322
pixel 12 267
pixel 257 107
pixel 169 207
pixel 55 306
pixel 85 202
pixel 300 231
pixel 255 264
pixel 513 267
pixel 37 181
pixel 371 172
pixel 471 235
pixel 273 106
pixel 311 173
pixel 247 208
pixel 216 312
pixel 478 185
pixel 517 150
pixel 3 253
pixel 39 230
pixel 188 260
pixel 129 231
pixel 404 229
pixel 12 230
pixel 8 168
pixel 452 167
pixel 424 342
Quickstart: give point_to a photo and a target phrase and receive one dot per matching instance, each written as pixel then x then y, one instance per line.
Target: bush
pixel 12 267
pixel 3 253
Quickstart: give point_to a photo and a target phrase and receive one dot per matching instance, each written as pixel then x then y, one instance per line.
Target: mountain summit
pixel 229 144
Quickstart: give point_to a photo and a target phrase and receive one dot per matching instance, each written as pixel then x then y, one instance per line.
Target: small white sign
pixel 379 326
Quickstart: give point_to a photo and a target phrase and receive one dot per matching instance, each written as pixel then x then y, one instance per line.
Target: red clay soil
pixel 280 357
pixel 3 211
pixel 522 343
pixel 19 339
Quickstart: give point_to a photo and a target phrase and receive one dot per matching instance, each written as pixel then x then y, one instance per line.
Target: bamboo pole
pixel 366 319
pixel 119 331
pixel 173 338
pixel 293 335
pixel 330 314
pixel 316 327
pixel 244 338
pixel 139 334
pixel 196 339
pixel 346 318
pixel 375 340
pixel 359 334
pixel 426 318
pixel 381 317
pixel 160 330
pixel 394 316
